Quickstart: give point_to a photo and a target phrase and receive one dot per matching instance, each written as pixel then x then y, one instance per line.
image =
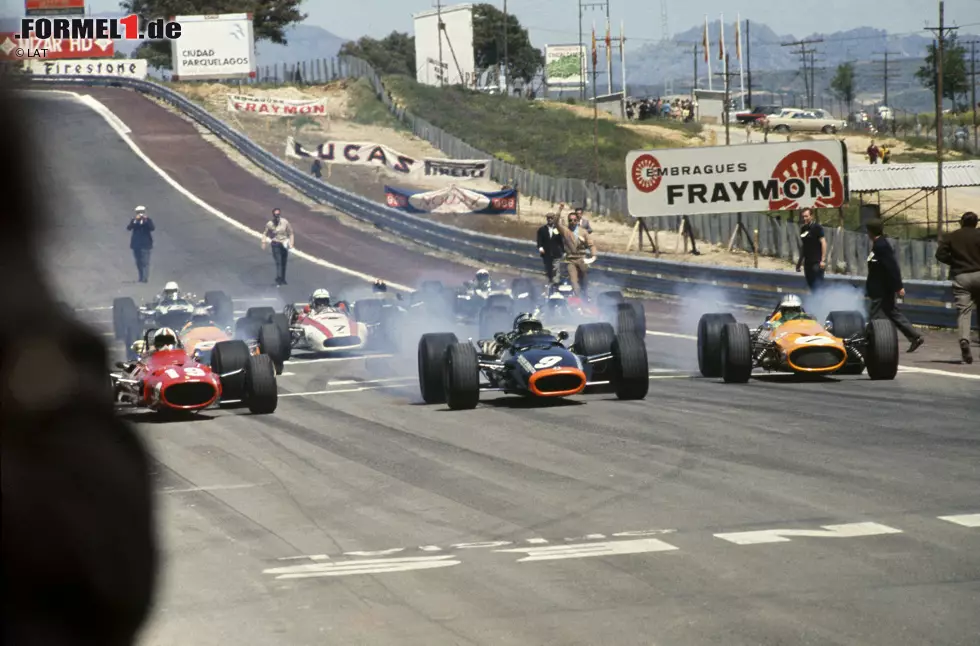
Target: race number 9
pixel 548 362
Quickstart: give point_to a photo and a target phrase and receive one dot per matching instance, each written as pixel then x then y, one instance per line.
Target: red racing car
pixel 166 379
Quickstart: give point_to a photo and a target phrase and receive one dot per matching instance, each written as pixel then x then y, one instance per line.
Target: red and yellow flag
pixel 595 51
pixel 706 44
pixel 738 40
pixel 608 38
pixel 721 39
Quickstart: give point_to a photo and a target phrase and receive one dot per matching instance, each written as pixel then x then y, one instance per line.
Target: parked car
pixel 806 121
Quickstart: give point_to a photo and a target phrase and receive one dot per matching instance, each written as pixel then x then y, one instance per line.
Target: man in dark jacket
pixel 551 247
pixel 141 242
pixel 884 284
pixel 961 251
pixel 813 255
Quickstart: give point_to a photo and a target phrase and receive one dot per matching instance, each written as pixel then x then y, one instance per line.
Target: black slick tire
pixel 631 372
pixel 260 314
pixel 882 354
pixel 285 336
pixel 247 328
pixel 710 327
pixel 270 344
pixel 432 349
pixel 461 377
pixel 736 353
pixel 261 390
pixel 228 357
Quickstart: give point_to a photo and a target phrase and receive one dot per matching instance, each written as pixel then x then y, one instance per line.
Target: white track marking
pixel 340 391
pixel 673 335
pixel 586 550
pixel 365 566
pixel 850 530
pixel 123 130
pixel 942 373
pixel 91 309
pixel 211 488
pixel 286 374
pixel 966 520
pixel 299 362
pixel 267 299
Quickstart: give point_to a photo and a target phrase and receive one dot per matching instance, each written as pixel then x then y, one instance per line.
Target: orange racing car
pixel 791 340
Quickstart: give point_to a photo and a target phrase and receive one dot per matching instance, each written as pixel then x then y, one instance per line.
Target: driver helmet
pixel 791 307
pixel 320 299
pixel 527 323
pixel 483 279
pixel 171 291
pixel 165 339
pixel 380 286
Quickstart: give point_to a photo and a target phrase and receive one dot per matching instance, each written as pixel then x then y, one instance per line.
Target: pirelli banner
pixel 745 178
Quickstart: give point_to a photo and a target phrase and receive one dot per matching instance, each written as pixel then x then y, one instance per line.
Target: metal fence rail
pixel 927 302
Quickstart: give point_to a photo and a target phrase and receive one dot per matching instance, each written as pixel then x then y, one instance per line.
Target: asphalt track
pixel 356 515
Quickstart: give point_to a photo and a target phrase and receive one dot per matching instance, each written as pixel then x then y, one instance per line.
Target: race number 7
pixel 190 372
pixel 547 362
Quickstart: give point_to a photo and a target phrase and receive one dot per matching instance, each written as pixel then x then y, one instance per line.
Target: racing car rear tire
pixel 461 377
pixel 709 343
pixel 260 314
pixel 222 308
pixel 594 338
pixel 631 377
pixel 845 325
pixel 494 319
pixel 270 344
pixel 125 316
pixel 432 350
pixel 246 328
pixel 631 319
pixel 285 335
pixel 261 390
pixel 229 356
pixel 736 353
pixel 882 356
pixel 639 315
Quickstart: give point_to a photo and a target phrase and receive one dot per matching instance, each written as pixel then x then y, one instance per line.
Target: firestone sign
pixel 726 179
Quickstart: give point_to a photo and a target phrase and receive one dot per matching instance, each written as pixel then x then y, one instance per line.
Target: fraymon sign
pixel 275 107
pixel 747 178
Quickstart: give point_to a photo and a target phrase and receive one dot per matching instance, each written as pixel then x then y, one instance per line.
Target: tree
pixel 523 59
pixel 955 76
pixel 393 54
pixel 270 18
pixel 842 84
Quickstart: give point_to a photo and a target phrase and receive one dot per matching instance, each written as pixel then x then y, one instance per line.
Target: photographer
pixel 141 242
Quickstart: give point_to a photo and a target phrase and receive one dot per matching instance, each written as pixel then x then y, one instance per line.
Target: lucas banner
pixel 380 156
pixel 275 107
pixel 452 199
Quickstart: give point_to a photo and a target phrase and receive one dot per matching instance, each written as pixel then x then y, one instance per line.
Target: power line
pixel 806 53
pixel 940 31
pixel 886 76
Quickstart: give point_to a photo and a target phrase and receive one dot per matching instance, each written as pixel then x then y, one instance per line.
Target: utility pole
pixel 581 42
pixel 886 76
pixel 748 62
pixel 506 66
pixel 728 90
pixel 695 66
pixel 973 94
pixel 442 74
pixel 804 52
pixel 940 53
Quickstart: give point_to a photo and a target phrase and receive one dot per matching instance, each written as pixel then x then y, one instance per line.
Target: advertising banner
pixel 129 68
pixel 214 47
pixel 452 199
pixel 565 65
pixel 13 48
pixel 54 8
pixel 727 179
pixel 274 107
pixel 378 155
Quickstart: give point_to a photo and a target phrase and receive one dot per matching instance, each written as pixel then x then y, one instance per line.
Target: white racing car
pixel 322 326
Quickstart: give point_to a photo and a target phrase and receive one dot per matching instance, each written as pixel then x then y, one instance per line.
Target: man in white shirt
pixel 279 234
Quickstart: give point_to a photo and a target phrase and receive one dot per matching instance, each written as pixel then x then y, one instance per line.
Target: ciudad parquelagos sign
pixel 737 179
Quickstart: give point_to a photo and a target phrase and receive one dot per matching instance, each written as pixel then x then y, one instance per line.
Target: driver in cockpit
pixel 790 308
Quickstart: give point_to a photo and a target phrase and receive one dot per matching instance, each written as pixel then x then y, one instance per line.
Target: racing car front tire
pixel 270 344
pixel 736 353
pixel 230 356
pixel 710 329
pixel 432 349
pixel 461 377
pixel 261 390
pixel 882 356
pixel 632 372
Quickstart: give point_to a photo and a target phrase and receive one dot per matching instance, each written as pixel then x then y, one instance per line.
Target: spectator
pixel 961 251
pixel 551 247
pixel 873 153
pixel 884 284
pixel 886 154
pixel 279 233
pixel 141 242
pixel 813 256
pixel 316 168
pixel 582 221
pixel 577 240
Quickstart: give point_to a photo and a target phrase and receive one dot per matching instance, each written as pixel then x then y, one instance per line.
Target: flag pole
pixel 707 52
pixel 609 82
pixel 738 53
pixel 622 60
pixel 595 107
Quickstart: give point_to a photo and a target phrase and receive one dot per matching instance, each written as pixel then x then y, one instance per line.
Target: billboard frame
pixel 583 82
pixel 203 18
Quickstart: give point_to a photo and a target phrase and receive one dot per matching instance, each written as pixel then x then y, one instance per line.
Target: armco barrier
pixel 927 302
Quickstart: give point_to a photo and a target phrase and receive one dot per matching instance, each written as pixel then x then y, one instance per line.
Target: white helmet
pixel 483 278
pixel 171 291
pixel 791 301
pixel 165 339
pixel 320 298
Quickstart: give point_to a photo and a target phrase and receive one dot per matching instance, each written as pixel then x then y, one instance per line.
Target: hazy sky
pixel 556 21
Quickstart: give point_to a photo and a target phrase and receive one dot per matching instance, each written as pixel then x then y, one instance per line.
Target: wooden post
pixel 755 249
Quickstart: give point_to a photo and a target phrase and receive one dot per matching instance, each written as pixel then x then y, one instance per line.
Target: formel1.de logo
pixel 645 173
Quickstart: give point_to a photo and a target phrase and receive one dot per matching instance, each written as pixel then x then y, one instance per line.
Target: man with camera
pixel 141 242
